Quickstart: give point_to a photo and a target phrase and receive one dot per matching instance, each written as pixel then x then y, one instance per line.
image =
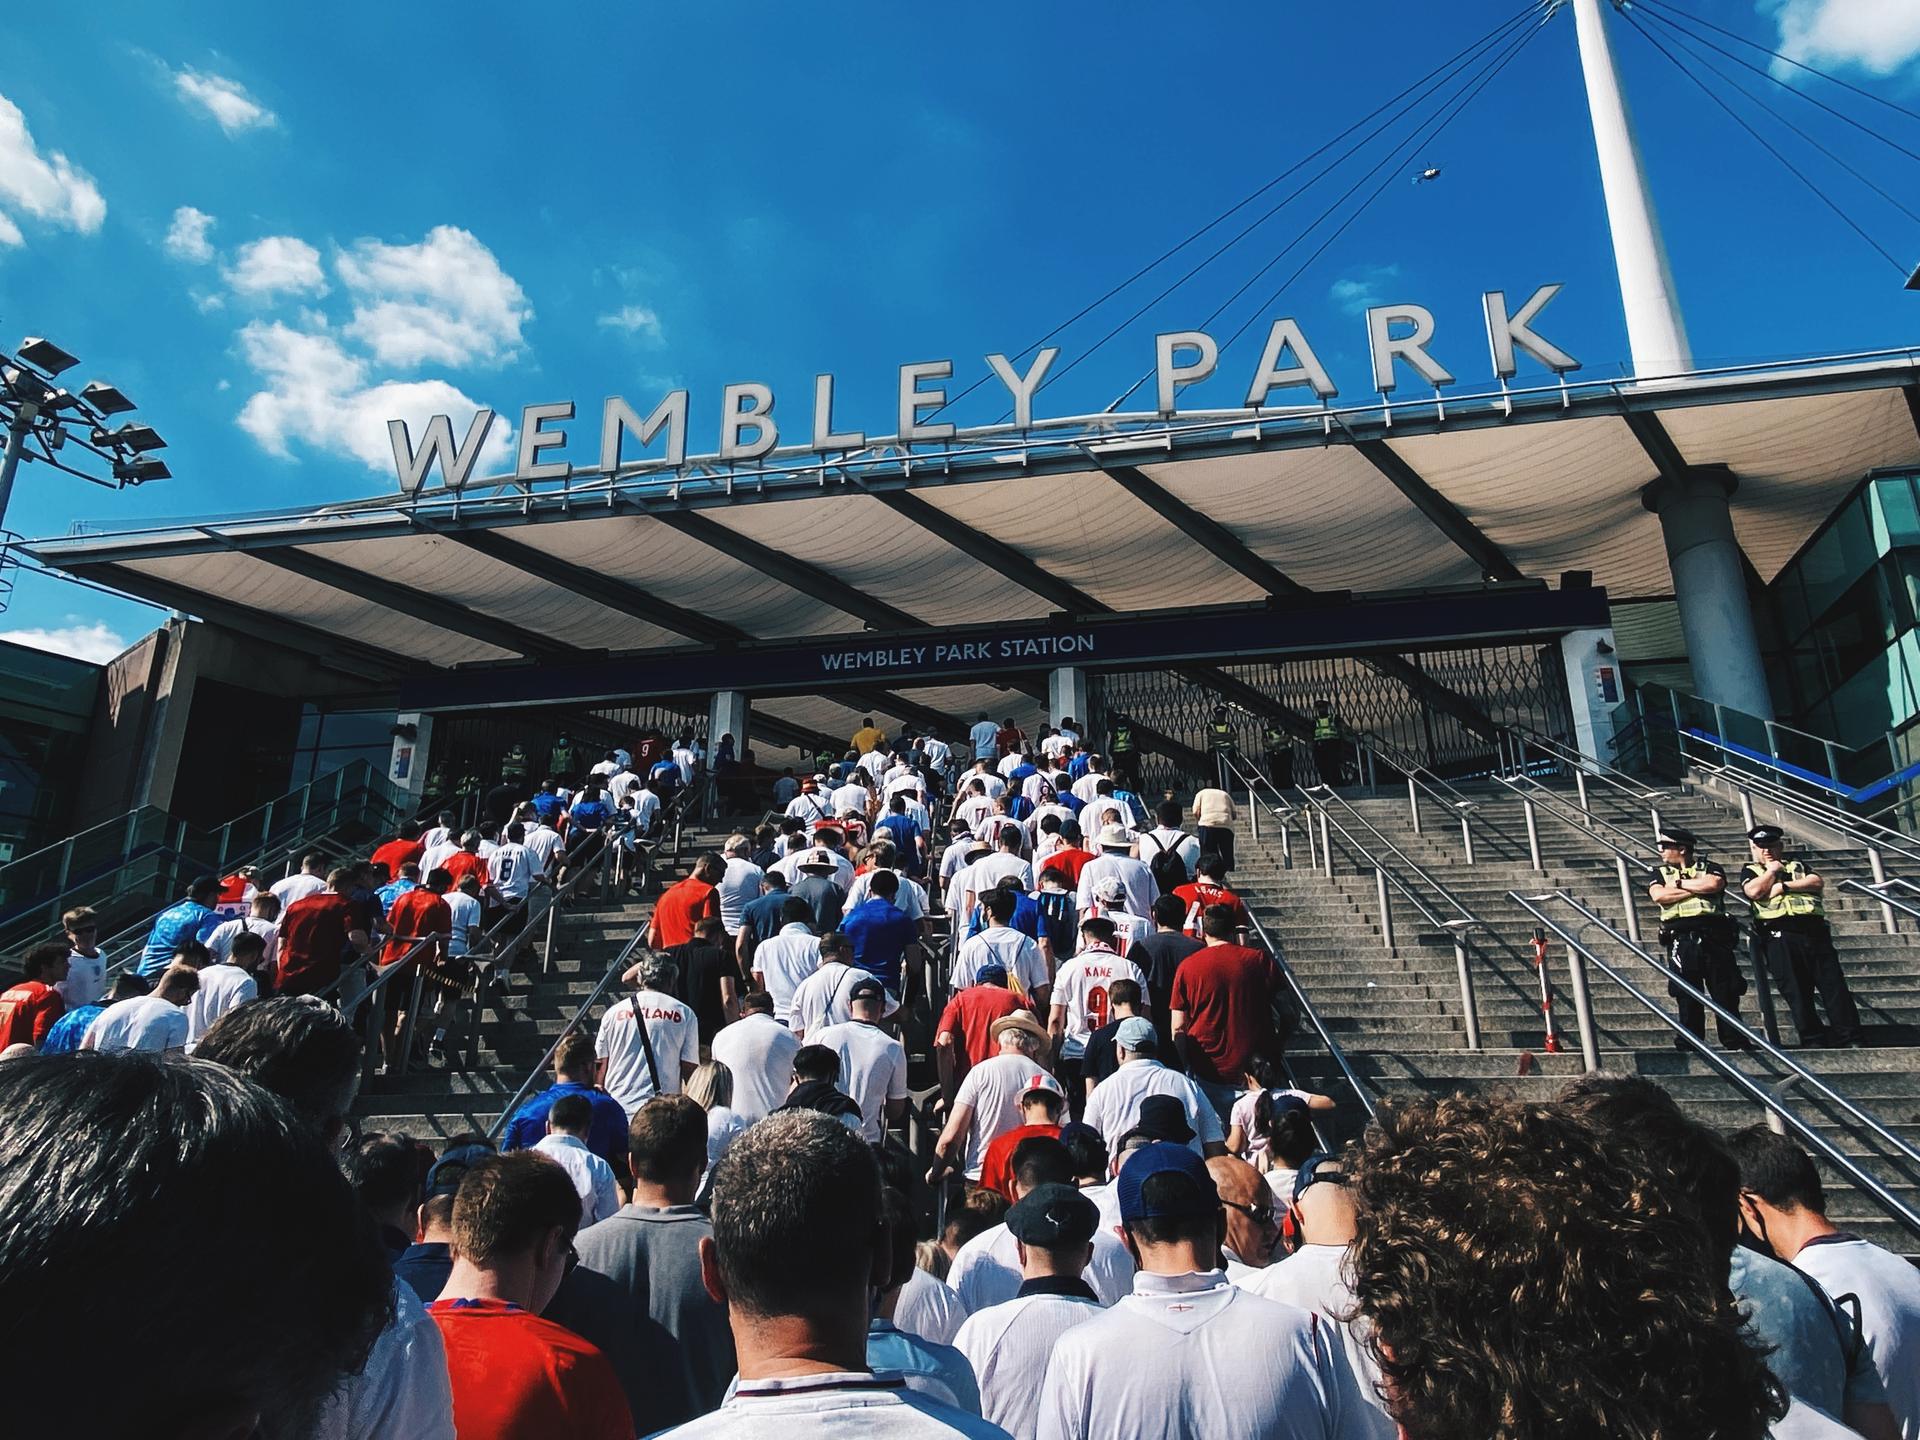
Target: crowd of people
pixel 715 1220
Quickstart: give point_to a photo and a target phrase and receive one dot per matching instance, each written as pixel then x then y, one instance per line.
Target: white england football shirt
pixel 1009 1345
pixel 759 1051
pixel 1114 1107
pixel 873 1070
pixel 1081 988
pixel 511 869
pixel 986 1271
pixel 675 1036
pixel 993 1089
pixel 1000 945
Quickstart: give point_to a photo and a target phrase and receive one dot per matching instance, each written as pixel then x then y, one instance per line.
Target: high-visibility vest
pixel 1122 739
pixel 1325 727
pixel 1222 735
pixel 1276 738
pixel 514 766
pixel 1693 905
pixel 1778 907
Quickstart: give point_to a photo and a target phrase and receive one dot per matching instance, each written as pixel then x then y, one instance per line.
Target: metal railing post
pixel 1746 808
pixel 1386 910
pixel 1466 835
pixel 1654 811
pixel 1286 844
pixel 1326 847
pixel 1583 1009
pixel 1833 765
pixel 1533 836
pixel 1313 845
pixel 1773 740
pixel 546 959
pixel 1253 812
pixel 1413 802
pixel 413 1017
pixel 1469 1007
pixel 1628 906
pixel 1879 868
pixel 1373 786
pixel 1580 785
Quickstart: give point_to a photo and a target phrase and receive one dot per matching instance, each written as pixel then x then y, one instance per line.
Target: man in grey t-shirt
pixel 638 1293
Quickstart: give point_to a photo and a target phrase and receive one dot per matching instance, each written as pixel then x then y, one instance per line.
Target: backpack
pixel 1169 871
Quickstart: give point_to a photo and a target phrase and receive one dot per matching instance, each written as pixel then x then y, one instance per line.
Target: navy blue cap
pixel 1052 1217
pixel 1310 1173
pixel 1188 1193
pixel 451 1168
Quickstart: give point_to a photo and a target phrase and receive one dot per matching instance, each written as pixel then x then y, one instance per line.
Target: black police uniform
pixel 1698 937
pixel 1791 936
pixel 1329 751
pixel 1220 741
pixel 1279 756
pixel 1120 748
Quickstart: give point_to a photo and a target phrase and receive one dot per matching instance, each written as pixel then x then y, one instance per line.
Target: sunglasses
pixel 1261 1215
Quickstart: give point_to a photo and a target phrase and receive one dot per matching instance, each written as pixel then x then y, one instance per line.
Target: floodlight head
pixel 45 356
pixel 25 386
pixel 138 472
pixel 136 438
pixel 106 399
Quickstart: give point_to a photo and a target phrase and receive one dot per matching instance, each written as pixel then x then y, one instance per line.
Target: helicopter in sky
pixel 1430 172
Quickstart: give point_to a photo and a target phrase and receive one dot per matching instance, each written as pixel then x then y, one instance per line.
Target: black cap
pixel 1052 1217
pixel 866 989
pixel 1674 835
pixel 1766 835
pixel 1165 1118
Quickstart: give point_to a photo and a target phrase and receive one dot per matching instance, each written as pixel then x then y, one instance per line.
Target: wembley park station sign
pixel 1397 336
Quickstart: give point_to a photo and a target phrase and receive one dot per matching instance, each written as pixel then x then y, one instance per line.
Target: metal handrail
pixel 1313 1018
pixel 1622 858
pixel 618 969
pixel 1404 858
pixel 1766 1097
pixel 1867 831
pixel 1582 765
pixel 1423 781
pixel 1582 821
pixel 1878 890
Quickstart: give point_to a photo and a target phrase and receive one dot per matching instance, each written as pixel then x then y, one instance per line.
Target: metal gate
pixel 1511 684
pixel 475 742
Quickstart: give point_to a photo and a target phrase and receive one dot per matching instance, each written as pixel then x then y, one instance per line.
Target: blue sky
pixel 274 226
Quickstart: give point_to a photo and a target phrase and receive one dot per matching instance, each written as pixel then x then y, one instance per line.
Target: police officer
pixel 562 762
pixel 1697 935
pixel 1120 747
pixel 513 768
pixel 1790 934
pixel 1327 747
pixel 1220 741
pixel 1279 755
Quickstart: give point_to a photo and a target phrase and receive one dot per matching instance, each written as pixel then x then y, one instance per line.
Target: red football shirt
pixel 972 1012
pixel 463 863
pixel 416 913
pixel 996 1166
pixel 1199 894
pixel 1070 860
pixel 27 1013
pixel 396 853
pixel 1226 993
pixel 518 1377
pixel 679 907
pixel 313 942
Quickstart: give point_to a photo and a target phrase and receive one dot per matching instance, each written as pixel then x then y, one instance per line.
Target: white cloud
pixel 277 264
pixel 46 187
pixel 227 101
pixel 1879 36
pixel 1356 292
pixel 321 395
pixel 95 642
pixel 187 236
pixel 444 300
pixel 635 320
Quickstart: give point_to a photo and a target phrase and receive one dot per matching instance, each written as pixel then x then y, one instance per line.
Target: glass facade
pixel 1847 608
pixel 331 740
pixel 46 707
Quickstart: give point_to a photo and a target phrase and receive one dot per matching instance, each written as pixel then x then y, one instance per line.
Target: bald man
pixel 1253 1224
pixel 1314 1278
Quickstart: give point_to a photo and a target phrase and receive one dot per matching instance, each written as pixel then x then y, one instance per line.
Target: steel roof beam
pixel 349 657
pixel 992 553
pixel 1912 392
pixel 618 595
pixel 1658 444
pixel 417 603
pixel 808 579
pixel 786 732
pixel 1445 516
pixel 1205 531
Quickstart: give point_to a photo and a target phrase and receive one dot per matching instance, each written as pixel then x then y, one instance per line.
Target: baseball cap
pixel 451 1168
pixel 1164 1118
pixel 1677 837
pixel 1766 835
pixel 1040 1080
pixel 1079 1130
pixel 990 974
pixel 1181 1187
pixel 1052 1217
pixel 1284 1104
pixel 1109 889
pixel 1136 1032
pixel 867 989
pixel 1317 1169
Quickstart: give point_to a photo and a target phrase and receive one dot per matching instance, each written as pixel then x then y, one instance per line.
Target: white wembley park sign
pixel 1396 334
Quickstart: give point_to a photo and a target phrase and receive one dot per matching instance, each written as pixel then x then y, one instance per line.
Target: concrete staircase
pixel 1397 1011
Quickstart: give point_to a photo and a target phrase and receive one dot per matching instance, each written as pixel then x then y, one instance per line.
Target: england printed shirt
pixel 1081 988
pixel 675 1036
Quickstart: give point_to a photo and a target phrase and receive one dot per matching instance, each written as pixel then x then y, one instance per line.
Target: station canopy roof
pixel 1099 514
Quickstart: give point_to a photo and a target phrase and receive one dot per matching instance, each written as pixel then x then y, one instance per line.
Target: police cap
pixel 1766 835
pixel 1677 837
